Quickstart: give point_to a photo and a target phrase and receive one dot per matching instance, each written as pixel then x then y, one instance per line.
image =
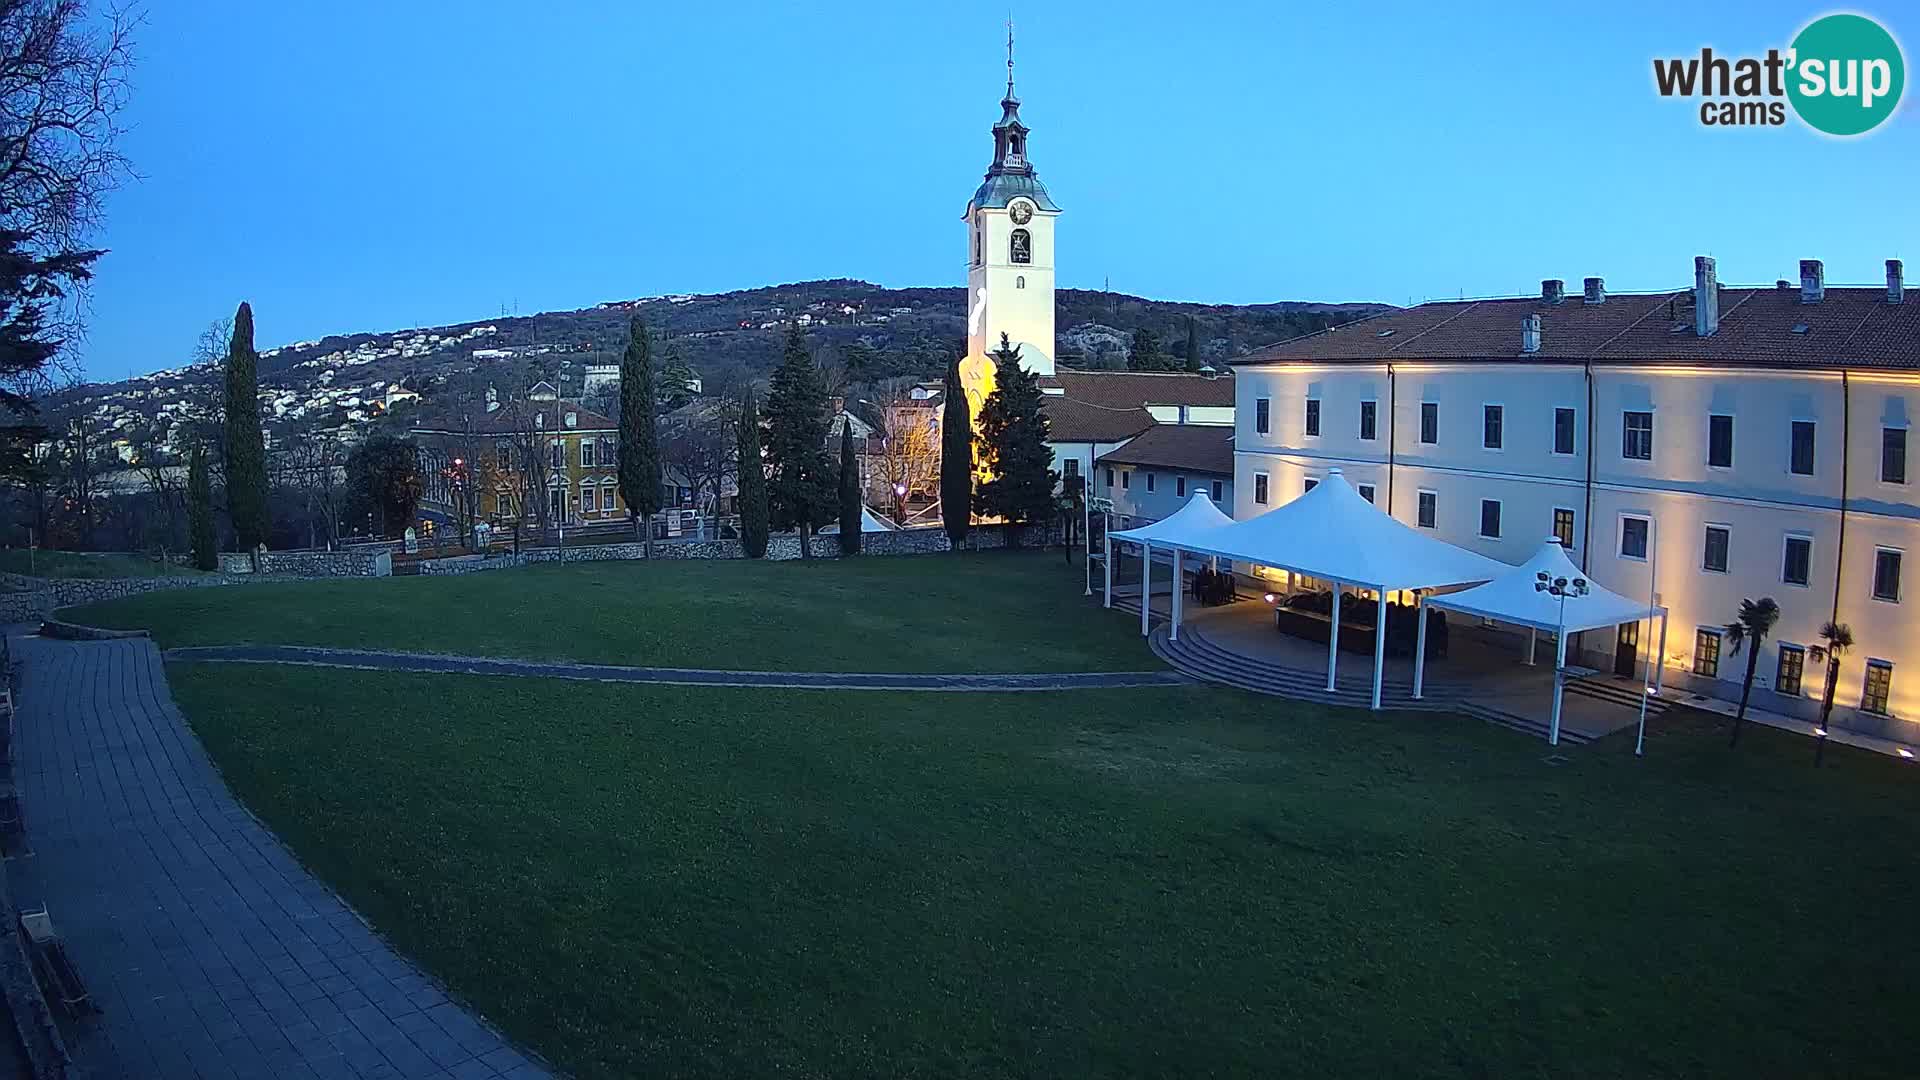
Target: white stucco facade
pixel 1008 296
pixel 1563 464
pixel 1143 494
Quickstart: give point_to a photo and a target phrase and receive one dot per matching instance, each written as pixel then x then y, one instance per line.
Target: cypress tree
pixel 1013 433
pixel 200 510
pixel 849 493
pixel 1145 355
pixel 753 482
pixel 639 436
pixel 800 488
pixel 956 458
pixel 1194 362
pixel 246 451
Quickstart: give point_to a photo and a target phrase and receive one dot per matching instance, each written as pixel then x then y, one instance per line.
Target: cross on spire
pixel 1009 56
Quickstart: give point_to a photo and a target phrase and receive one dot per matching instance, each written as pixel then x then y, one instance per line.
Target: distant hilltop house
pixel 605 378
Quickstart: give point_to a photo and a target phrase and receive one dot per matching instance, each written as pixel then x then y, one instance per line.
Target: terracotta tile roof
pixel 1107 406
pixel 1204 448
pixel 1764 327
pixel 504 420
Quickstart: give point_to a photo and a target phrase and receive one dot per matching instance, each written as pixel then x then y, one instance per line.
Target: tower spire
pixel 1010 96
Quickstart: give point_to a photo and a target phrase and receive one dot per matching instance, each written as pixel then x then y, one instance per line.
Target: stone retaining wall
pixel 359 562
pixel 781 548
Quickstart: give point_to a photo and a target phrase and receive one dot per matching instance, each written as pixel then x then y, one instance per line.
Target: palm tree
pixel 1754 623
pixel 1837 638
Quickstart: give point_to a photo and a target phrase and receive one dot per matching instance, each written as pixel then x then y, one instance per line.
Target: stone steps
pixel 1615 694
pixel 1198 657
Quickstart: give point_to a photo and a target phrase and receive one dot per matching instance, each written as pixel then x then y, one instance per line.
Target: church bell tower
pixel 1010 252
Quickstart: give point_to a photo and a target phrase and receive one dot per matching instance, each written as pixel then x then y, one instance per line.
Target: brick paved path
pixel 815 680
pixel 212 952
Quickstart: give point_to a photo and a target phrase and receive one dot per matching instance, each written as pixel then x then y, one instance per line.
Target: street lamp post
pixel 1562 588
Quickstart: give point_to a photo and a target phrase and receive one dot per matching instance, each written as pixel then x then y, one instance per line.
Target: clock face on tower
pixel 1022 211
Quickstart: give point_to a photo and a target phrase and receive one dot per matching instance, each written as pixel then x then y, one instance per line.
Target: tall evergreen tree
pixel 800 493
pixel 956 458
pixel 200 528
pixel 1013 431
pixel 849 494
pixel 753 482
pixel 1146 354
pixel 1194 362
pixel 672 389
pixel 639 435
pixel 246 450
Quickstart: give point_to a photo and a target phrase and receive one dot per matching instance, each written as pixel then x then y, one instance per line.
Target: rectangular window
pixel 1493 421
pixel 1879 687
pixel 1706 653
pixel 1796 568
pixel 1720 442
pixel 1072 466
pixel 1126 479
pixel 1260 488
pixel 1490 518
pixel 557 454
pixel 1429 422
pixel 1109 478
pixel 1886 575
pixel 608 458
pixel 1180 486
pixel 1793 665
pixel 1429 509
pixel 1563 526
pixel 504 453
pixel 1366 492
pixel 1149 481
pixel 1369 417
pixel 1313 416
pixel 1893 455
pixel 1633 537
pixel 1800 457
pixel 586 455
pixel 1217 490
pixel 1563 431
pixel 1714 559
pixel 1636 436
pixel 606 498
pixel 587 501
pixel 1262 415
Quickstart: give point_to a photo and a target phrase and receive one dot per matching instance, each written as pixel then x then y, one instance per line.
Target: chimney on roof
pixel 1896 288
pixel 1553 290
pixel 1813 281
pixel 1596 291
pixel 1706 296
pixel 1530 334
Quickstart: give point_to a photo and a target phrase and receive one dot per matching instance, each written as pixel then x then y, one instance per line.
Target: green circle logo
pixel 1847 74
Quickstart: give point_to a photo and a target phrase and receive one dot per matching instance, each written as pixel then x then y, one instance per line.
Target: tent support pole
pixel 1146 585
pixel 1660 661
pixel 1333 637
pixel 1106 564
pixel 1533 636
pixel 1179 590
pixel 1379 645
pixel 1559 685
pixel 1420 647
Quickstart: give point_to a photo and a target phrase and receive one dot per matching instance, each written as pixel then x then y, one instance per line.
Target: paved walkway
pixel 814 680
pixel 210 950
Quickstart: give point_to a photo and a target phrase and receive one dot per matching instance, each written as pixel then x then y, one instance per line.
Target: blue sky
pixel 368 166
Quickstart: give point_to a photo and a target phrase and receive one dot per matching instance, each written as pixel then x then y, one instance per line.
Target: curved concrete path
pixel 812 680
pixel 210 950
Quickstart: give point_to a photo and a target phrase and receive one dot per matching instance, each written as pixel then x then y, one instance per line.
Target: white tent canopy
pixel 1332 534
pixel 1517 597
pixel 868 524
pixel 1191 524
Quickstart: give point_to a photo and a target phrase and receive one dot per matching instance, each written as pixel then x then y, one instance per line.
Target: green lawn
pixel 1181 881
pixel 996 611
pixel 86 564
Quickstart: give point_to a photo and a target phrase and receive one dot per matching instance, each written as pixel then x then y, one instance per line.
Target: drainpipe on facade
pixel 1846 440
pixel 1393 415
pixel 1586 541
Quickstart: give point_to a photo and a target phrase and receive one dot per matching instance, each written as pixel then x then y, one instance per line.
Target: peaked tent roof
pixel 1333 533
pixel 1193 523
pixel 1512 598
pixel 868 524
